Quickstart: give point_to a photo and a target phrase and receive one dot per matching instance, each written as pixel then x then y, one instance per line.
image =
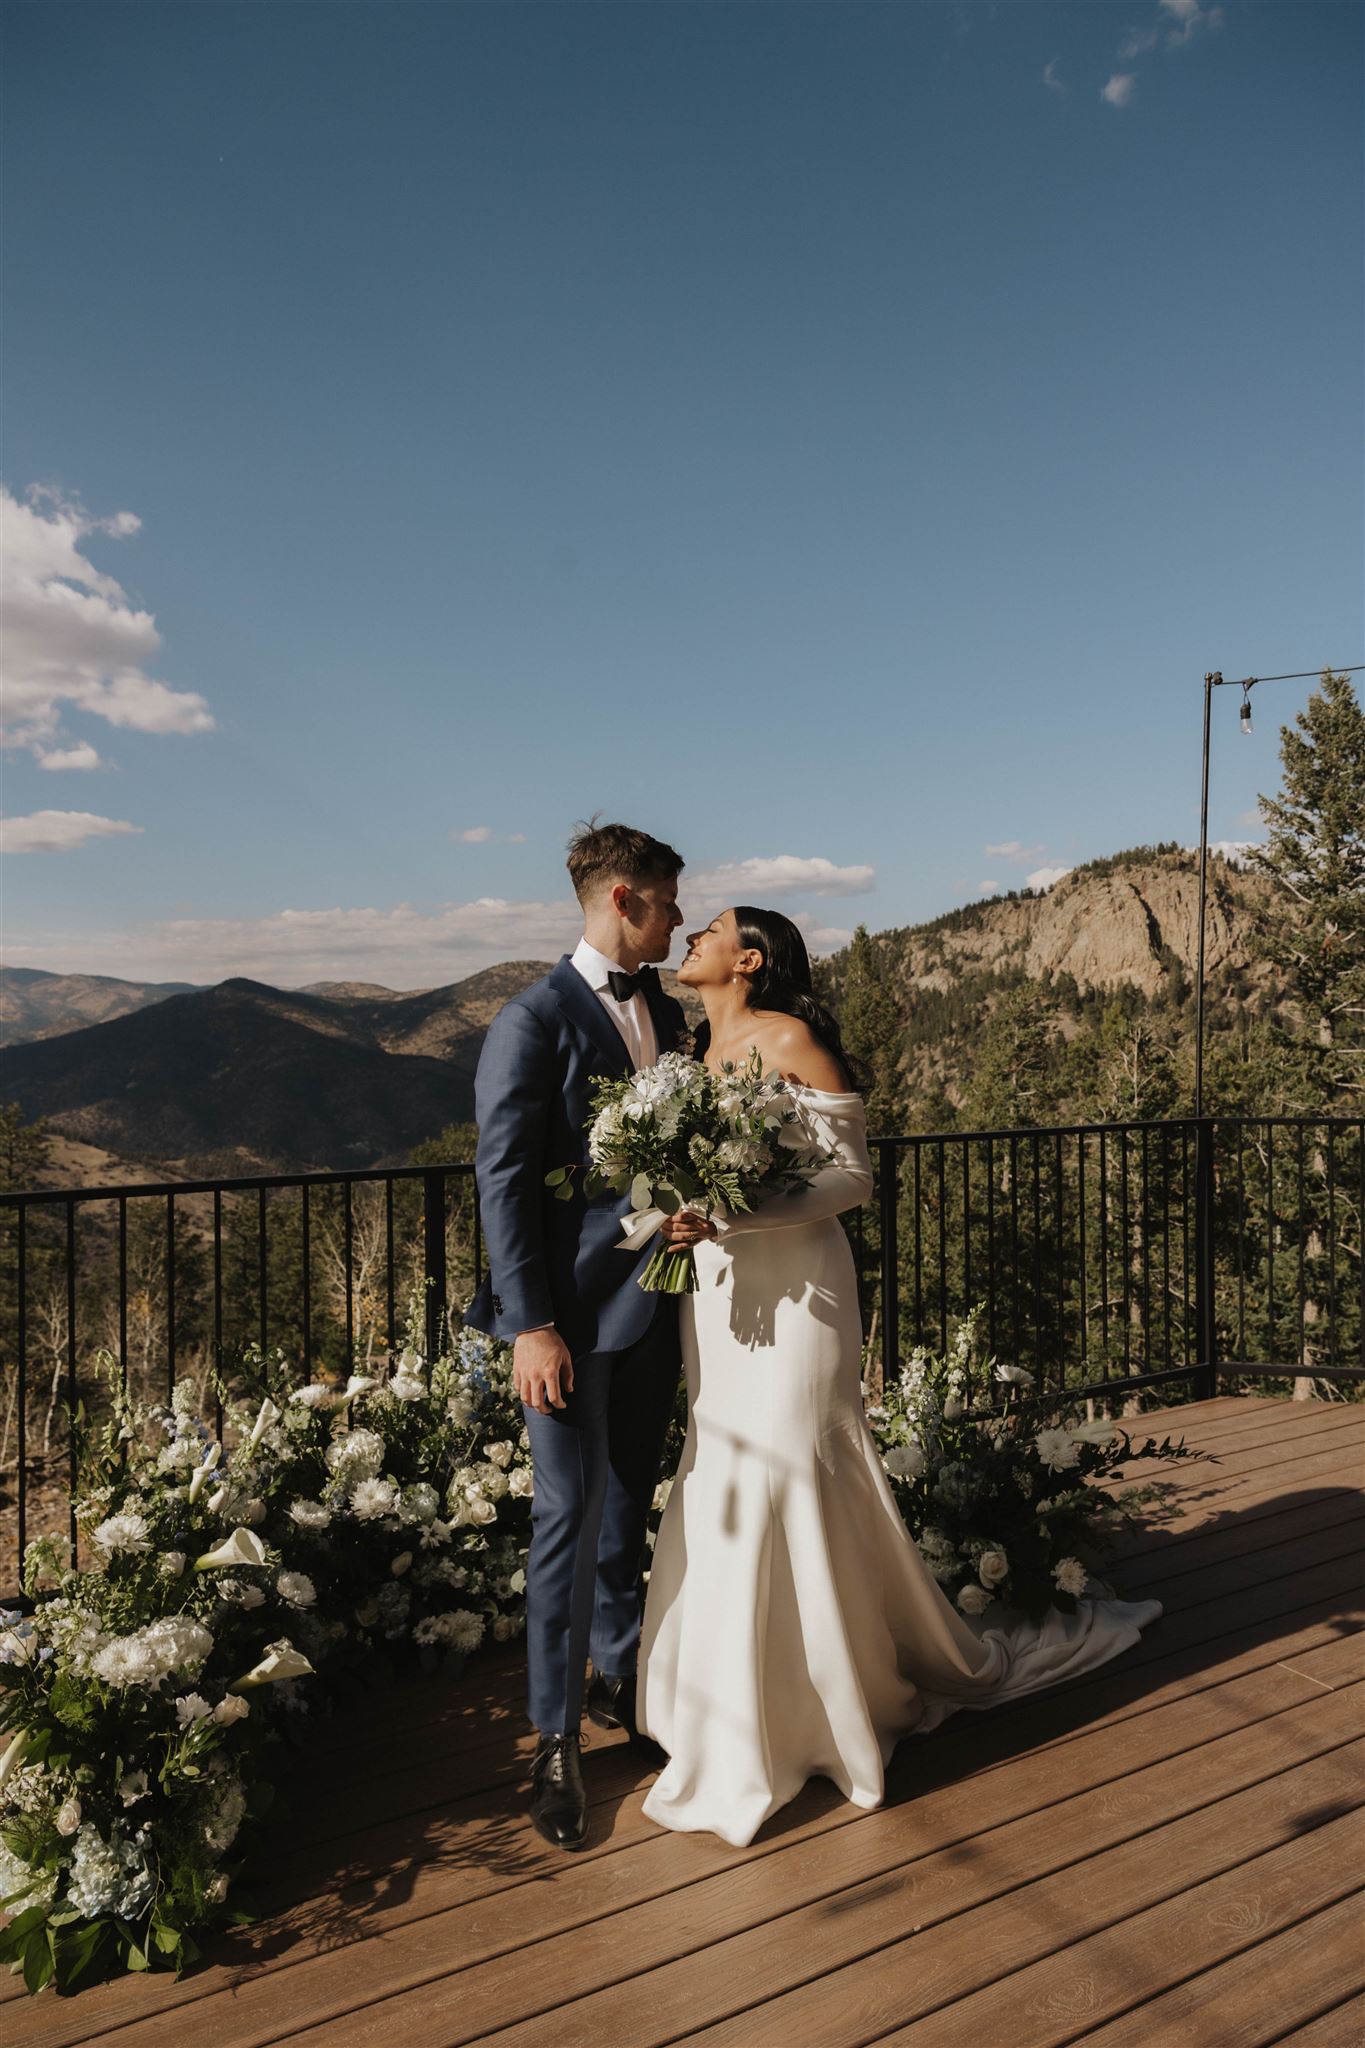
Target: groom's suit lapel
pixel 582 1006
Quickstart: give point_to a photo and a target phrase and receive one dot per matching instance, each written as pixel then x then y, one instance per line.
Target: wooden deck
pixel 1169 1852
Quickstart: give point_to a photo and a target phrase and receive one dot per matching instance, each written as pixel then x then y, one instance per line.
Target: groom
pixel 595 1359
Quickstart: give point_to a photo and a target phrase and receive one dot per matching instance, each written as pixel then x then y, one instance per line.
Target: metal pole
pixel 434 1258
pixel 1209 679
pixel 1205 1386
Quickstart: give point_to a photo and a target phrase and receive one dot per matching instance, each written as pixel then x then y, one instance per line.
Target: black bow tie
pixel 624 986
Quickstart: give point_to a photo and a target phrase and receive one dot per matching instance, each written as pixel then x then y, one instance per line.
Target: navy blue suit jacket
pixel 552 1261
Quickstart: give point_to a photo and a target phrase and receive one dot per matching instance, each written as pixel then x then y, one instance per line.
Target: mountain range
pixel 243 1077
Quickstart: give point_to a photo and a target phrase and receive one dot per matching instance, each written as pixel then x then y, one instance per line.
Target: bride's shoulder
pixel 791 1048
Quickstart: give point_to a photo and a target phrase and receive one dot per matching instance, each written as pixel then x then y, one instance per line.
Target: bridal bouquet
pixel 678 1136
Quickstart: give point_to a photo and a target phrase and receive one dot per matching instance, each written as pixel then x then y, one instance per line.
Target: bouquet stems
pixel 670 1272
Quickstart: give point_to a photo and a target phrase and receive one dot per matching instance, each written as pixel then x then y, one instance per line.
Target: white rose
pixel 232 1707
pixel 172 1564
pixel 401 1563
pixel 481 1511
pixel 973 1599
pixel 68 1816
pixel 499 1454
pixel 520 1483
pixel 992 1567
pixel 504 1628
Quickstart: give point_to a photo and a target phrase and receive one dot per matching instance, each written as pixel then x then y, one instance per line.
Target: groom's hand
pixel 542 1370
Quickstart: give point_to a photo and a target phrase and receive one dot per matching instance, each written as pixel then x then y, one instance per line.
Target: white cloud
pixel 57 831
pixel 1043 878
pixel 1138 42
pixel 1010 849
pixel 988 888
pixel 1189 17
pixel 484 835
pixel 782 874
pixel 71 636
pixel 82 755
pixel 827 938
pixel 1119 90
pixel 1050 78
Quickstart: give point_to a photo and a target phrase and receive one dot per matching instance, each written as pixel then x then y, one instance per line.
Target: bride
pixel 791 1627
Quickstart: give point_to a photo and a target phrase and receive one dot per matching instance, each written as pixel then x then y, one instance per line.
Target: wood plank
pixel 1339 1479
pixel 1244 1536
pixel 1226 1915
pixel 1155 1919
pixel 1342 2027
pixel 1254 2000
pixel 570 1896
pixel 1333 1539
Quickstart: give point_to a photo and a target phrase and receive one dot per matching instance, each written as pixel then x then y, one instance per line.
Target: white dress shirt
pixel 632 1018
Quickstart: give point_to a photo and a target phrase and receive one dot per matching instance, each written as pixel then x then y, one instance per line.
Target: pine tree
pixel 870 1022
pixel 1316 850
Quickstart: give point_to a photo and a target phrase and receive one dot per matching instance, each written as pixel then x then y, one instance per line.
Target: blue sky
pixel 837 437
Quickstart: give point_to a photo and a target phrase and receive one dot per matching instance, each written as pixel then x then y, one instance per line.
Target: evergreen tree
pixel 1316 850
pixel 870 1021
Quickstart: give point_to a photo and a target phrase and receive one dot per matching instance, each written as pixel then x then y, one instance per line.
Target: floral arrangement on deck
pixel 995 1479
pixel 240 1579
pixel 332 1532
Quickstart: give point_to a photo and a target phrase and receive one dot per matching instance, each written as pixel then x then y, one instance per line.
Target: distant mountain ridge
pixel 37 1004
pixel 245 1077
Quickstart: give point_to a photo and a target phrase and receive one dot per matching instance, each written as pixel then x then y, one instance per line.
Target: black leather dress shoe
pixel 559 1802
pixel 611 1704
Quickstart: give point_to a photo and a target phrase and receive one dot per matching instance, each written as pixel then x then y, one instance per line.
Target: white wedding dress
pixel 791 1626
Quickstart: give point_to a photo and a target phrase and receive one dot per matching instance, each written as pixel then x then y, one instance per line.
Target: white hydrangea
pixel 184 1400
pixel 125 1532
pixel 16 1876
pixel 357 1455
pixel 418 1502
pixel 108 1877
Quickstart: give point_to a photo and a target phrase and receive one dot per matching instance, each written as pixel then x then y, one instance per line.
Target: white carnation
pixel 372 1498
pixel 1057 1448
pixel 309 1514
pixel 297 1588
pixel 123 1532
pixel 1070 1575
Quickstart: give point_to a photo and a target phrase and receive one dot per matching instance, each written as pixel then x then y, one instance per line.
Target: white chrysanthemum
pixel 153 1653
pixel 309 1514
pixel 297 1588
pixel 1057 1448
pixel 905 1461
pixel 372 1498
pixel 1070 1575
pixel 125 1532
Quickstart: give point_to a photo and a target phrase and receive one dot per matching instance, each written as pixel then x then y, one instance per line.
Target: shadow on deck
pixel 1168 1851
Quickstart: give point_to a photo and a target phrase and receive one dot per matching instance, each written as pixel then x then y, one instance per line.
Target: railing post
pixel 434 1257
pixel 888 1177
pixel 1205 1382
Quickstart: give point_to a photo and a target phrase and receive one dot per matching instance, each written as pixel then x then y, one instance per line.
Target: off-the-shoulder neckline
pixel 829 1094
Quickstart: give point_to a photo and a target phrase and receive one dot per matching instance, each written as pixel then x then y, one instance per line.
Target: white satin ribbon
pixel 638 1227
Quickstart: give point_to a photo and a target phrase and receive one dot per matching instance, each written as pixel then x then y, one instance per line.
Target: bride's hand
pixel 686 1229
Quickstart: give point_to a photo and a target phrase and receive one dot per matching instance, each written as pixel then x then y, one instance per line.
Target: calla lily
pixel 201 1472
pixel 241 1547
pixel 269 1413
pixel 358 1383
pixel 281 1660
pixel 10 1760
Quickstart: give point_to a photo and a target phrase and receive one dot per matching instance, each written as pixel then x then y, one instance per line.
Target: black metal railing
pixel 1109 1258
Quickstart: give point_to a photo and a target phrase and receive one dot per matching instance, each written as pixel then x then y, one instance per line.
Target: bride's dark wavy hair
pixel 784 982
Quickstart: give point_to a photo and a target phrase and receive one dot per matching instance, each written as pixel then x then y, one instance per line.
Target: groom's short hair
pixel 602 854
